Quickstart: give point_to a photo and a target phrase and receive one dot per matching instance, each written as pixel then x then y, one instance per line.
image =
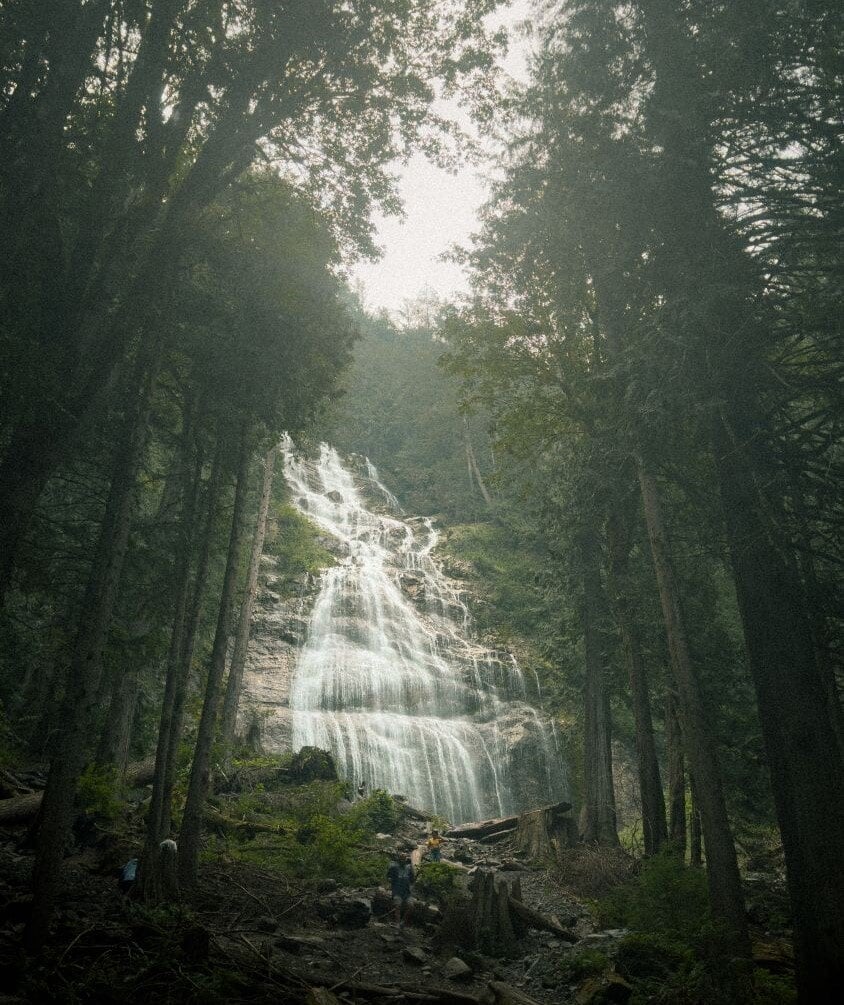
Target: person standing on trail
pixel 400 875
pixel 434 846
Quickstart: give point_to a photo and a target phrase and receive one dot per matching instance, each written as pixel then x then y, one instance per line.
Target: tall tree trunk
pixel 180 654
pixel 472 462
pixel 801 741
pixel 200 775
pixel 82 687
pixel 695 828
pixel 650 783
pixel 113 750
pixel 599 798
pixel 676 777
pixel 724 881
pixel 807 773
pixel 241 644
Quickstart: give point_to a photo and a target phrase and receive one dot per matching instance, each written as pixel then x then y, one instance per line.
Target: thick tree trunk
pixel 599 797
pixel 807 774
pixel 650 783
pixel 676 778
pixel 695 829
pixel 801 741
pixel 82 687
pixel 188 493
pixel 241 644
pixel 116 736
pixel 724 881
pixel 200 775
pixel 191 634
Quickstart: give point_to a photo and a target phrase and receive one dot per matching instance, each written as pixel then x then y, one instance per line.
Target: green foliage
pixel 294 542
pixel 378 813
pixel 402 410
pixel 100 792
pixel 773 989
pixel 328 846
pixel 310 839
pixel 667 898
pixel 437 880
pixel 577 966
pixel 643 957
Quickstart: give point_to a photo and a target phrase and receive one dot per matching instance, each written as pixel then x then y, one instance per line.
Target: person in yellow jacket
pixel 434 845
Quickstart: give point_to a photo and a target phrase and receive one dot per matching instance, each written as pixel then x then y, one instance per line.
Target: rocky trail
pixel 253 934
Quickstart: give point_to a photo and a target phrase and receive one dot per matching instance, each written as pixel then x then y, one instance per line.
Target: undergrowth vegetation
pixel 675 953
pixel 309 832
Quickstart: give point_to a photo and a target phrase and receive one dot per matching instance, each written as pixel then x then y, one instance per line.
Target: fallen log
pixel 497 836
pixel 506 995
pixel 541 922
pixel 482 828
pixel 215 818
pixel 19 809
pixel 436 996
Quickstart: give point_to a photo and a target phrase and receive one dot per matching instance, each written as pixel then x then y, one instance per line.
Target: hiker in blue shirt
pixel 400 875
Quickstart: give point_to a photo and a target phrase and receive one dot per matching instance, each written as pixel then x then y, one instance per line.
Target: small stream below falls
pixel 389 677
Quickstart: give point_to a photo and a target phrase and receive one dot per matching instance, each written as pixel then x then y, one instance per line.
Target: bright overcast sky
pixel 440 210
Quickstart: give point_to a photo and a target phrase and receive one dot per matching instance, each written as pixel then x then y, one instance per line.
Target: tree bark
pixel 695 830
pixel 807 773
pixel 191 633
pixel 676 778
pixel 801 741
pixel 200 775
pixel 116 736
pixel 725 890
pixel 235 681
pixel 472 462
pixel 599 797
pixel 654 826
pixel 82 688
pixel 179 655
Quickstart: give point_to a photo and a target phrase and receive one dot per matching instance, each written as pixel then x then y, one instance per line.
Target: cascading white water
pixel 389 678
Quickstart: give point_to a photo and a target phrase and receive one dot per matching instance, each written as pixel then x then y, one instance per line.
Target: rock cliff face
pixel 376 661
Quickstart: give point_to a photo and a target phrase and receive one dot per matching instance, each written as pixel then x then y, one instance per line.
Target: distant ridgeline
pixel 375 661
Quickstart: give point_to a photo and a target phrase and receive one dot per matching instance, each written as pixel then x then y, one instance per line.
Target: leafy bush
pixel 99 792
pixel 666 898
pixel 295 543
pixel 437 880
pixel 773 989
pixel 578 966
pixel 379 812
pixel 651 958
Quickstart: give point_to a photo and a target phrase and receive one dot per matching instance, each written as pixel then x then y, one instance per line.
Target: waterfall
pixel 389 677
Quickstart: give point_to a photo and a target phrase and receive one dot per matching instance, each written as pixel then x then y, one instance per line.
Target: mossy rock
pixel 310 764
pixel 650 957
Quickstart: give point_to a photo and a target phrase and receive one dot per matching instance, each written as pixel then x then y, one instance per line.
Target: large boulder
pixel 345 911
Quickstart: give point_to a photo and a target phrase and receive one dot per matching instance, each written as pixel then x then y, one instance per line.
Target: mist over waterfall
pixel 387 674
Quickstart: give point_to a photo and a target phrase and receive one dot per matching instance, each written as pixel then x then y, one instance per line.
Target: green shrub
pixel 651 958
pixel 437 880
pixel 666 898
pixel 773 989
pixel 578 966
pixel 99 792
pixel 295 542
pixel 378 813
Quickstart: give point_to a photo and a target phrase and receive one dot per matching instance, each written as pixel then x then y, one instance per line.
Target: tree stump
pixel 494 928
pixel 543 833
